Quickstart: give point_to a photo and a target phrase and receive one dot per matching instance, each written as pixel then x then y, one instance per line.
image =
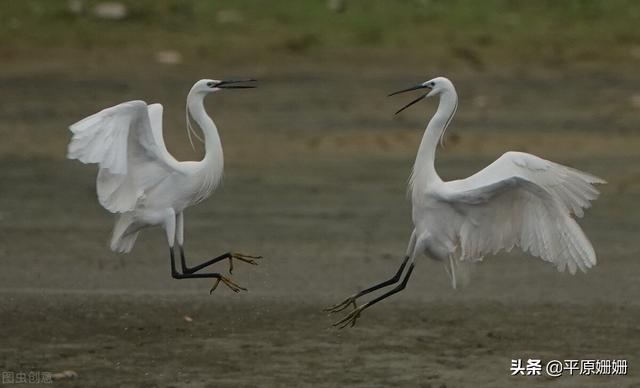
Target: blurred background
pixel 316 167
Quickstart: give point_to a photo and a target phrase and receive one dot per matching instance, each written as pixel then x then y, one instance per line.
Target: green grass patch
pixel 475 31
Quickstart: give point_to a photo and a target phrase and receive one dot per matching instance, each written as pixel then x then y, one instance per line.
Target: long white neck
pixel 213 162
pixel 424 171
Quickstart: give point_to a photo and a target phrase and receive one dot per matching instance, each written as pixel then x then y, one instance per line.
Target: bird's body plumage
pixel 140 181
pixel 518 200
pixel 138 177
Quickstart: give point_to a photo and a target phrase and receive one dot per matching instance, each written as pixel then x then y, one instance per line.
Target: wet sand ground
pixel 144 341
pixel 324 201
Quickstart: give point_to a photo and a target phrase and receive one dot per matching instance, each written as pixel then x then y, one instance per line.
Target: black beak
pixel 417 87
pixel 230 84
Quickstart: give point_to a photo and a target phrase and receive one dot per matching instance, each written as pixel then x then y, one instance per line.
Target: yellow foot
pixel 343 305
pixel 242 257
pixel 227 282
pixel 351 318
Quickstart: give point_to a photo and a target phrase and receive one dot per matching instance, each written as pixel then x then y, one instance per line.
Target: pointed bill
pixel 416 87
pixel 411 103
pixel 231 84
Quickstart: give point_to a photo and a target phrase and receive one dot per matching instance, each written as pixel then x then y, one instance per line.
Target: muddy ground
pixel 316 168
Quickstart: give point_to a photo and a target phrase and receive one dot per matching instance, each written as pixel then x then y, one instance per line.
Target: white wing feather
pixel 126 143
pixel 522 200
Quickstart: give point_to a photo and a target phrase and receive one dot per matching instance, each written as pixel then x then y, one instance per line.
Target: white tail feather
pixel 124 234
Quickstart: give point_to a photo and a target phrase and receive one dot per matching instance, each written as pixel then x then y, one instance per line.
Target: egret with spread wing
pixel 143 184
pixel 518 200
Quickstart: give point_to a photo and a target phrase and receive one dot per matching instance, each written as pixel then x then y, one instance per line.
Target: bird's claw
pixel 227 282
pixel 351 318
pixel 242 257
pixel 342 305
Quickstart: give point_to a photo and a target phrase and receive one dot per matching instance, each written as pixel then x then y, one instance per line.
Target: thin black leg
pixel 400 287
pixel 190 270
pixel 219 277
pixel 352 299
pixel 174 273
pixel 353 316
pixel 177 275
pixel 388 282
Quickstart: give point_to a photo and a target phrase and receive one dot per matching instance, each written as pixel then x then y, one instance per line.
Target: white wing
pixel 126 143
pixel 522 200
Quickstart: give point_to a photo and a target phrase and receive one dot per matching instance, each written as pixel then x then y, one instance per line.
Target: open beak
pixel 231 84
pixel 419 86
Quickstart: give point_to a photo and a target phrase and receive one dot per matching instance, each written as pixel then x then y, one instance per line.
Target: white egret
pixel 518 200
pixel 140 181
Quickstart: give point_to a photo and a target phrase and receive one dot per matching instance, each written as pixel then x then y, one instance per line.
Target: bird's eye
pixel 433 83
pixel 210 84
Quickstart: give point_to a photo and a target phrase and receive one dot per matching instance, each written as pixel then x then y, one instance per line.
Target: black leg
pixel 388 282
pixel 219 277
pixel 190 270
pixel 400 287
pixel 352 299
pixel 229 255
pixel 174 273
pixel 351 318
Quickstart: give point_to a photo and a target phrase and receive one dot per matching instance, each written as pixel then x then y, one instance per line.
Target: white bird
pixel 518 200
pixel 140 181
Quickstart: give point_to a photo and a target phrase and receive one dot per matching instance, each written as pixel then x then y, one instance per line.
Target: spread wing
pixel 525 201
pixel 126 143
